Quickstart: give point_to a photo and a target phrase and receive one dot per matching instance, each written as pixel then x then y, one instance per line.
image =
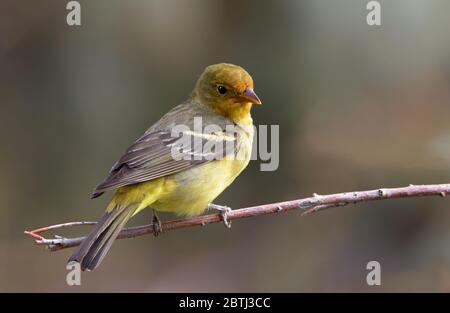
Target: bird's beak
pixel 251 96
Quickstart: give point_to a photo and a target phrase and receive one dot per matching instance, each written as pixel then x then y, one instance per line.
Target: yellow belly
pixel 185 193
pixel 189 192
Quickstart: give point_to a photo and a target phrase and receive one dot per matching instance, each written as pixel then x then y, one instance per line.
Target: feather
pixel 151 156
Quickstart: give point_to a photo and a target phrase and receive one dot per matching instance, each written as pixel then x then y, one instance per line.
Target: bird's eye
pixel 222 90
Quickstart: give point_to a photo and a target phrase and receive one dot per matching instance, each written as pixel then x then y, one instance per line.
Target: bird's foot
pixel 224 210
pixel 156 225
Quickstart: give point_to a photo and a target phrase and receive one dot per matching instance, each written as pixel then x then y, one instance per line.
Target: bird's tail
pixel 94 248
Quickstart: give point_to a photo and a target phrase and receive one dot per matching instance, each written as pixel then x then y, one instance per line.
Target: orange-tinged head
pixel 228 90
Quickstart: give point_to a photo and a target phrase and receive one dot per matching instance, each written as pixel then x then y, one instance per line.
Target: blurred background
pixel 359 107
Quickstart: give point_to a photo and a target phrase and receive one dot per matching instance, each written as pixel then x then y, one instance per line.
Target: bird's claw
pixel 156 225
pixel 223 211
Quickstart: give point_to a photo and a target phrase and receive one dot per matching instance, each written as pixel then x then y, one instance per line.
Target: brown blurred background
pixel 359 107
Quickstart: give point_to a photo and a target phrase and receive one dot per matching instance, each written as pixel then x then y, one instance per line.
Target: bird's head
pixel 228 90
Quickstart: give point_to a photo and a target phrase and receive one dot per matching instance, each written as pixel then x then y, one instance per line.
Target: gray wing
pixel 152 155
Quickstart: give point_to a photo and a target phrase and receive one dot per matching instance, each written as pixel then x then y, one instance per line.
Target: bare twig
pixel 311 204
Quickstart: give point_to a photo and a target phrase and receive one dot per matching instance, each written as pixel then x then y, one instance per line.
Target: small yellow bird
pixel 148 175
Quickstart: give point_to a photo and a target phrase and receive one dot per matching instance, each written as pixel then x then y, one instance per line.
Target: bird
pixel 149 175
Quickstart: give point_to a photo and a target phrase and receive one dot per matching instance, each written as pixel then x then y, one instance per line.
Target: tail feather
pixel 94 248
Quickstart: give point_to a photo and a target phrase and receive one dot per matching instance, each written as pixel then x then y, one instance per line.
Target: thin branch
pixel 310 205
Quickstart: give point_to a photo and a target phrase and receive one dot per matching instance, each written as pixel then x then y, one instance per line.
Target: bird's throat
pixel 237 112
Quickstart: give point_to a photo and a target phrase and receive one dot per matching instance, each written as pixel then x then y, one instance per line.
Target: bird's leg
pixel 156 224
pixel 224 210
